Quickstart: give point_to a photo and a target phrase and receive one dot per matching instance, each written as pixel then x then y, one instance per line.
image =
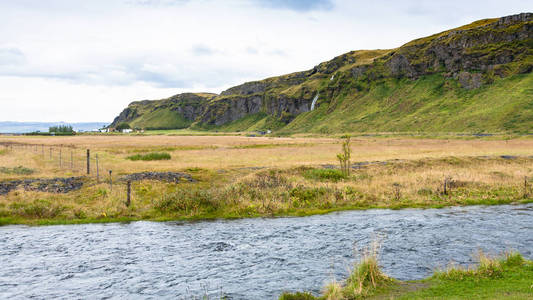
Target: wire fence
pixel 73 161
pixel 68 158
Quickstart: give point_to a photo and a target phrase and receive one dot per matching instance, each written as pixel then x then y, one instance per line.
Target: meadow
pixel 238 176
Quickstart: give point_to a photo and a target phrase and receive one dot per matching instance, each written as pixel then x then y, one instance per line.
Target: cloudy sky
pixel 85 60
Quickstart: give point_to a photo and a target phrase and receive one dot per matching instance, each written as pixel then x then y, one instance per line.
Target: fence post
pixel 60 157
pixel 110 181
pixel 97 171
pixel 525 187
pixel 42 150
pixel 445 183
pixel 88 161
pixel 128 199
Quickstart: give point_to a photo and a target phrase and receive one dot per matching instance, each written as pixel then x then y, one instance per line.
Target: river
pixel 248 258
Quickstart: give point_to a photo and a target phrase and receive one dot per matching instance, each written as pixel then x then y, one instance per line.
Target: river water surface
pixel 249 258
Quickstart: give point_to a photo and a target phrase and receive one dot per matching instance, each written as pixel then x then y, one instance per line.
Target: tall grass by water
pixel 507 276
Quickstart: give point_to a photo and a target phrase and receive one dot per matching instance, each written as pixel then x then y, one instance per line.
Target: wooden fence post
pixel 110 181
pixel 60 157
pixel 445 184
pixel 128 199
pixel 525 187
pixel 88 161
pixel 97 171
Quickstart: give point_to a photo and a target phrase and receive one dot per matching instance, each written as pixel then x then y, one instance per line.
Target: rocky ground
pixel 53 185
pixel 161 176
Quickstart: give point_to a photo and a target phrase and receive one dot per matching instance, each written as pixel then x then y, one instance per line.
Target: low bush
pixel 150 156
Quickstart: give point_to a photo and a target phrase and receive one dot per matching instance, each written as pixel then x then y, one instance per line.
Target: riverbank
pixel 240 177
pixel 509 276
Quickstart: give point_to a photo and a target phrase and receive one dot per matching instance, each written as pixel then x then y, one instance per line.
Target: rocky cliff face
pixel 187 106
pixel 472 55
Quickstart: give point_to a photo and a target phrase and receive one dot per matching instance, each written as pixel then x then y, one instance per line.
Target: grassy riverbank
pixel 237 177
pixel 506 277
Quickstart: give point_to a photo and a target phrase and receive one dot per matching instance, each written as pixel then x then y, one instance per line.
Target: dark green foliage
pixel 61 129
pixel 150 156
pixel 123 126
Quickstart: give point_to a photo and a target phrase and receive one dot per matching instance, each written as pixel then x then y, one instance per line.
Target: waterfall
pixel 332 76
pixel 314 101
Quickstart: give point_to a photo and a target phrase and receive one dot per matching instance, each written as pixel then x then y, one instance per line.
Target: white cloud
pixel 58 55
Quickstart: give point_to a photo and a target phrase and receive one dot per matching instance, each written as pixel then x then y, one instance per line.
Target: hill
pixel 473 78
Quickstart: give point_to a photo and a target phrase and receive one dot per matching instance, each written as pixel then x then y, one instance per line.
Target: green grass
pixel 325 174
pixel 20 170
pixel 161 119
pixel 507 278
pixel 430 104
pixel 150 156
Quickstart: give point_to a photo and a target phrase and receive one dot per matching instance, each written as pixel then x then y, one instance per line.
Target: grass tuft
pixel 489 267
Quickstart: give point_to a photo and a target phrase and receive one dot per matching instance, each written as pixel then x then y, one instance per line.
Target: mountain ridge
pixel 353 90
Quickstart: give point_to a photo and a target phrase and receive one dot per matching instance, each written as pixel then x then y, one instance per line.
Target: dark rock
pixel 53 185
pixel 469 80
pixel 508 156
pixel 175 177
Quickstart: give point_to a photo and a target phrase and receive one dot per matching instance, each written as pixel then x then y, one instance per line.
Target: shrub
pixel 344 157
pixel 150 156
pixel 61 129
pixel 123 126
pixel 325 174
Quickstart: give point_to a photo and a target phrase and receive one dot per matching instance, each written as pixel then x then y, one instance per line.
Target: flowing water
pixel 314 102
pixel 249 258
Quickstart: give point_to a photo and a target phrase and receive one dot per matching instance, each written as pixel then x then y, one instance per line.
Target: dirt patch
pixel 52 185
pixel 161 176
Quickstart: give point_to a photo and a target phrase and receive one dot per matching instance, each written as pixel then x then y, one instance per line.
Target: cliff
pixel 473 78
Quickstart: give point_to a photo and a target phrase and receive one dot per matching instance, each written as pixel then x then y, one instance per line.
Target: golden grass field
pixel 252 176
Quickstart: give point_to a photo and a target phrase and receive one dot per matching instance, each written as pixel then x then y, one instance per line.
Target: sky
pixel 82 61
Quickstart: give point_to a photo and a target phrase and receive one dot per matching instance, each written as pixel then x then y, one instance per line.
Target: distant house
pixel 104 130
pixel 126 130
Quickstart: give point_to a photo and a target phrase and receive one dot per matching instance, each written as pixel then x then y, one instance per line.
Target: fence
pixel 65 157
pixel 71 159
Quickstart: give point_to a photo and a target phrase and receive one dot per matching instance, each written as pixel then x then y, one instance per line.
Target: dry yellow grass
pixel 227 152
pixel 234 170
